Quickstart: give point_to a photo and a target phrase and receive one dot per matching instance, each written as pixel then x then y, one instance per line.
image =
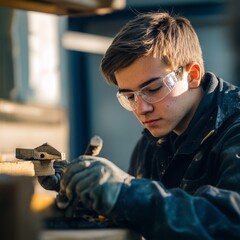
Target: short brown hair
pixel 170 38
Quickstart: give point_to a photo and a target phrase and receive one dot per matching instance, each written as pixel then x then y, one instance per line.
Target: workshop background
pixel 51 89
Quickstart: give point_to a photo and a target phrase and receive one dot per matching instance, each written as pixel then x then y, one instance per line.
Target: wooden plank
pixel 27 168
pixel 64 7
pixel 30 113
pixel 34 6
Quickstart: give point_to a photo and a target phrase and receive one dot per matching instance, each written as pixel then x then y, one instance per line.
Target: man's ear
pixel 194 75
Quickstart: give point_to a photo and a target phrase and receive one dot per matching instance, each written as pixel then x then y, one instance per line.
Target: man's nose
pixel 143 107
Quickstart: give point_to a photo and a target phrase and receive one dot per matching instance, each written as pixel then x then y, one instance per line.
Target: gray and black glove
pixel 53 182
pixel 95 182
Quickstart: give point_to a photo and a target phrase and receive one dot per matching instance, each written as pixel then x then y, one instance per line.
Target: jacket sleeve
pixel 212 212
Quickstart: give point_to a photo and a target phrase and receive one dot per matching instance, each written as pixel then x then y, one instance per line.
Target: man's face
pixel 174 112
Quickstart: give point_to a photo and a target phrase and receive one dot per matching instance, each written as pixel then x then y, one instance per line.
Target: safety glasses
pixel 152 93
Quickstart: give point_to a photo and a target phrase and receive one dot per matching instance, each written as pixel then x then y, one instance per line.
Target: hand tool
pixel 94 147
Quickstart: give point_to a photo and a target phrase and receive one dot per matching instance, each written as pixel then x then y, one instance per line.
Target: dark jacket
pixel 188 186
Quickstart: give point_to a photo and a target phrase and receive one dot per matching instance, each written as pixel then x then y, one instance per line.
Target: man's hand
pixel 53 182
pixel 95 182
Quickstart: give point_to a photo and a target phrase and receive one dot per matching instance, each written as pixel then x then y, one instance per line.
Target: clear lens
pixel 152 93
pixel 159 89
pixel 125 102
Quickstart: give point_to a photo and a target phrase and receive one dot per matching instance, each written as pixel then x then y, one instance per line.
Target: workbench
pixel 98 234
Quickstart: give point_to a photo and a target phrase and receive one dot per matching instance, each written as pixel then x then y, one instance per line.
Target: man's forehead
pixel 141 71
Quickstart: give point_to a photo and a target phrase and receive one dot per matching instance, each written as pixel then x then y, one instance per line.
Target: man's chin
pixel 156 133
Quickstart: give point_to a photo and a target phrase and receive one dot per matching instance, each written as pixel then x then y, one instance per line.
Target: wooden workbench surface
pixel 98 234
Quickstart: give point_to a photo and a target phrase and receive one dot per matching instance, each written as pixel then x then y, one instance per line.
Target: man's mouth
pixel 151 122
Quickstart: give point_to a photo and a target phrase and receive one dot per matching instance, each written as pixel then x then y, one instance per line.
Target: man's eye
pixel 154 89
pixel 154 86
pixel 130 97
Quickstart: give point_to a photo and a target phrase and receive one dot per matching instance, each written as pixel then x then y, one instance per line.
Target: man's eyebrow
pixel 140 86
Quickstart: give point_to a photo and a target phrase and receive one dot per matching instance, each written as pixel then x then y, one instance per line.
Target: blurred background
pixel 51 89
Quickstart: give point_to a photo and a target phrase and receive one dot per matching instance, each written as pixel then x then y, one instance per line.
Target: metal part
pixel 44 152
pixel 36 162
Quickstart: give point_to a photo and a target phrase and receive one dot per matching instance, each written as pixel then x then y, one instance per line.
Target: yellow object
pixel 40 202
pixel 101 218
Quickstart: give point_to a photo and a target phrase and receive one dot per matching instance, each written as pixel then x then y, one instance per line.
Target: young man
pixel 184 176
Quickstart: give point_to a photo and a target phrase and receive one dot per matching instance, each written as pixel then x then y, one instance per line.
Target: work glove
pixel 95 182
pixel 53 182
